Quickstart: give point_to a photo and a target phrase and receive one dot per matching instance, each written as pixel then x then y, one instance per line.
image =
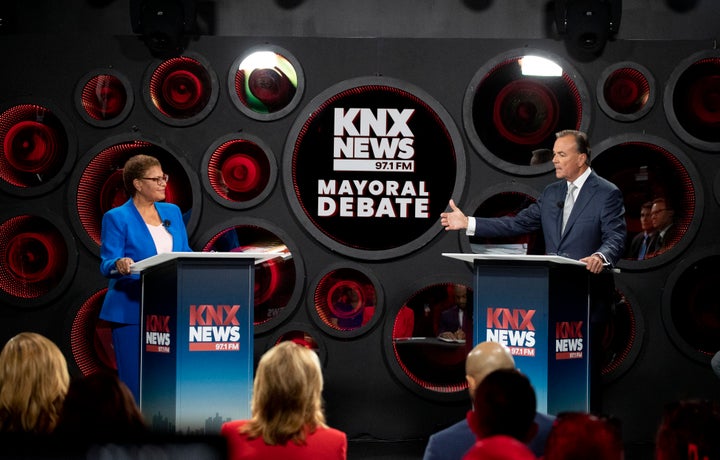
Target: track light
pixel 587 24
pixel 163 24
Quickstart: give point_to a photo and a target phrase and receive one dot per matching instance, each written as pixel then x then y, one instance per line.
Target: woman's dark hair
pixel 135 168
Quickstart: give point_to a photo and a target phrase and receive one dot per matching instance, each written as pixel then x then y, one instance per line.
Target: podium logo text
pixel 214 328
pixel 513 327
pixel 568 340
pixel 157 333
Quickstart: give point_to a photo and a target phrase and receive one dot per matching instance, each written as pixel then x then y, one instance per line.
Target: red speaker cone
pixel 34 256
pixel 104 97
pixel 626 90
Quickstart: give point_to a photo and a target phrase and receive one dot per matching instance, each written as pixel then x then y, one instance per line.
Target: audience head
pixel 34 379
pixel 646 223
pixel 662 213
pixel 577 435
pixel 287 395
pixel 460 295
pixel 485 358
pixel 501 448
pixel 504 404
pixel 100 407
pixel 689 431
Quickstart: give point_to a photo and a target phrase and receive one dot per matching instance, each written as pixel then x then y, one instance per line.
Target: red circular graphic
pixel 626 90
pixel 104 97
pixel 34 256
pixel 182 89
pixel 241 173
pixel 525 112
pixel 30 146
pixel 372 167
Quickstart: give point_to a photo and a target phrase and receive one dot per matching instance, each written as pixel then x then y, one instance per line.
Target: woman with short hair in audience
pixel 34 379
pixel 287 420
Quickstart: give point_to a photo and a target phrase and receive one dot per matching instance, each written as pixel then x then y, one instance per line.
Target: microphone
pixel 560 204
pixel 166 223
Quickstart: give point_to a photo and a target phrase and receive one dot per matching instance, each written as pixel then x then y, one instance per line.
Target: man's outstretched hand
pixel 455 219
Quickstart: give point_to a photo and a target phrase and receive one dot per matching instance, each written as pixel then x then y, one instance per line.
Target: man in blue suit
pixel 582 217
pixel 453 442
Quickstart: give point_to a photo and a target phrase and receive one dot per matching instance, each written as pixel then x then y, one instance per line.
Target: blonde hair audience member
pixel 287 420
pixel 34 379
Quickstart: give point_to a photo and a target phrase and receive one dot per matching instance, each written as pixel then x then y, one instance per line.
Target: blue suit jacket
pixel 596 224
pixel 125 234
pixel 454 441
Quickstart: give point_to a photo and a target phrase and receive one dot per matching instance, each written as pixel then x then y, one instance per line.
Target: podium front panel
pixel 539 310
pixel 569 347
pixel 201 373
pixel 511 307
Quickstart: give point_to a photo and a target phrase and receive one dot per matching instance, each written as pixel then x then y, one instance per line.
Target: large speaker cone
pixel 37 258
pixel 622 337
pixel 423 361
pixel 276 280
pixel 266 84
pixel 91 338
pixel 692 101
pixel 690 305
pixel 345 301
pixel 626 91
pixel 181 91
pixel 34 148
pixel 512 108
pixel 646 168
pixel 241 171
pixel 104 98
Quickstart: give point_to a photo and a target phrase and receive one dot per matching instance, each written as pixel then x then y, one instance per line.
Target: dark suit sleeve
pixel 526 221
pixel 613 227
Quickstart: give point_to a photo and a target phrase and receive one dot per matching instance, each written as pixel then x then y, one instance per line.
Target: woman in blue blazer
pixel 142 227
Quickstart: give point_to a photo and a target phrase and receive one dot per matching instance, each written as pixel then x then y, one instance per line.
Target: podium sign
pixel 196 364
pixel 538 307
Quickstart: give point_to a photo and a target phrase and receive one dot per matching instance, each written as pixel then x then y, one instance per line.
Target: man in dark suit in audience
pixel 641 244
pixel 663 218
pixel 453 442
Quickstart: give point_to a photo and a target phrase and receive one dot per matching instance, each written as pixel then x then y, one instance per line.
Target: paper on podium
pixel 259 257
pixel 513 257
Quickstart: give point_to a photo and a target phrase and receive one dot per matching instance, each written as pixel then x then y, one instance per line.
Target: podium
pixel 196 359
pixel 538 306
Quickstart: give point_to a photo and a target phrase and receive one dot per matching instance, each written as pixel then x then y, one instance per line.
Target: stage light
pixel 539 67
pixel 163 24
pixel 587 24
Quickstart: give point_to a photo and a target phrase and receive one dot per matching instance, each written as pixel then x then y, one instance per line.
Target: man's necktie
pixel 569 202
pixel 643 247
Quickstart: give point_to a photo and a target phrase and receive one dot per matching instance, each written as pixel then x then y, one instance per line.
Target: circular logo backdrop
pixel 372 167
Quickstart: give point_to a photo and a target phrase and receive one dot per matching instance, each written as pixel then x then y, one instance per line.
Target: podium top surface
pixel 144 264
pixel 513 258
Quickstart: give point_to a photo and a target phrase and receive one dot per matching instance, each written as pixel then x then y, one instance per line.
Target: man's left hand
pixel 594 263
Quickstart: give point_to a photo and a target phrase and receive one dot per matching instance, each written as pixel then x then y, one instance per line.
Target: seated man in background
pixel 454 441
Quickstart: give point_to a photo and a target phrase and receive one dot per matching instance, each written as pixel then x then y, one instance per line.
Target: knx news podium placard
pixel 538 306
pixel 196 363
